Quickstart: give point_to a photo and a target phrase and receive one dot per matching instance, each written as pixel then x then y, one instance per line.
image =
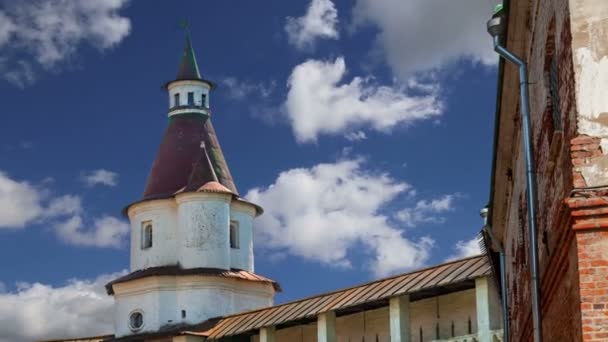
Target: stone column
pixel 267 334
pixel 326 327
pixel 488 309
pixel 399 310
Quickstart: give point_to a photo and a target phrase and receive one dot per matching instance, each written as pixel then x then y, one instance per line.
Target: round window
pixel 136 320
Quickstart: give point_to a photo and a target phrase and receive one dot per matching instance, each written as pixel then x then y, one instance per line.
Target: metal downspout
pixel 503 291
pixel 530 182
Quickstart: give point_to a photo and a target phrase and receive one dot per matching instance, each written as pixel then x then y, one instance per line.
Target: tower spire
pixel 188 67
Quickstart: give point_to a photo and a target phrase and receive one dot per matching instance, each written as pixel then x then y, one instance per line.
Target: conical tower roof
pixel 189 157
pixel 188 67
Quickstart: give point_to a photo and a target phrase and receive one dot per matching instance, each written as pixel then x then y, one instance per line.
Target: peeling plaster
pixel 595 174
pixel 592 104
pixel 592 100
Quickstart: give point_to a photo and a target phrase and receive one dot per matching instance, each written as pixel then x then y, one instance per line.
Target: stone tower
pixel 191 233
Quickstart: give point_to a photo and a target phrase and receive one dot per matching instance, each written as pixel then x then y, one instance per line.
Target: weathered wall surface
pixel 204 222
pixel 590 52
pixel 590 156
pixel 540 33
pixel 242 257
pixel 163 216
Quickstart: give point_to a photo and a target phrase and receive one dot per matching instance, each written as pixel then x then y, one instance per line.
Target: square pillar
pixel 399 317
pixel 267 334
pixel 326 327
pixel 488 309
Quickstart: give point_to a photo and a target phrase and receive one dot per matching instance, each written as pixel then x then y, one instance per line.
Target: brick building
pixel 565 45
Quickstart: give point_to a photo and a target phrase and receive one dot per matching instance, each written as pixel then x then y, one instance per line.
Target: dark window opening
pixel 183 313
pixel 136 320
pixel 176 100
pixel 204 100
pixel 190 98
pixel 147 235
pixel 234 234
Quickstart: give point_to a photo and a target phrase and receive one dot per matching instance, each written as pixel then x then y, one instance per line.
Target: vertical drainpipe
pixel 503 291
pixel 496 27
pixel 503 273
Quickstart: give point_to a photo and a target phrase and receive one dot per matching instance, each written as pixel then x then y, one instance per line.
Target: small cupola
pixel 189 92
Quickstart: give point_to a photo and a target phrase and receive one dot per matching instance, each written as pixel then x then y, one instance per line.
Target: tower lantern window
pixel 190 98
pixel 176 100
pixel 204 100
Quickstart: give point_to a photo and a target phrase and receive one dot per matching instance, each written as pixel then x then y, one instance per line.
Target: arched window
pixel 146 241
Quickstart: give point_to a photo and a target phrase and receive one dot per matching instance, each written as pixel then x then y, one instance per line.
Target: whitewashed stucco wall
pixel 162 299
pixel 163 215
pixel 204 221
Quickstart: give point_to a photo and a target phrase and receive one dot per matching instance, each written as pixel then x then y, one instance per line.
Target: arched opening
pixel 146 235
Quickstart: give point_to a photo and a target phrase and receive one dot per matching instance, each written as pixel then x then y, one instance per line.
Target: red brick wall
pixel 548 35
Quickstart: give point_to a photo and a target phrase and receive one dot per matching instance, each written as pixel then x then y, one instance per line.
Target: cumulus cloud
pixel 22 203
pixel 319 22
pixel 417 35
pixel 45 33
pixel 464 249
pixel 318 104
pixel 427 211
pixel 41 312
pixel 241 89
pixel 100 176
pixel 107 231
pixel 322 213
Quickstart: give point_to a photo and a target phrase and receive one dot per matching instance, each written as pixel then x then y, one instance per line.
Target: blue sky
pixel 364 129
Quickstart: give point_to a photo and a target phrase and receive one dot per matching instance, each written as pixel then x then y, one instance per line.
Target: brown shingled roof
pixel 176 270
pixel 452 276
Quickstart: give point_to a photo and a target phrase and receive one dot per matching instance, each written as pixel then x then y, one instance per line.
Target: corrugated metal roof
pixel 409 283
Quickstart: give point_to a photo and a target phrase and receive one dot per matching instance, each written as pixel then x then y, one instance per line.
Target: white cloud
pixel 41 312
pixel 322 213
pixel 240 90
pixel 355 136
pixel 22 203
pixel 49 32
pixel 319 22
pixel 417 35
pixel 7 28
pixel 107 231
pixel 317 104
pixel 100 176
pixel 426 211
pixel 465 249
